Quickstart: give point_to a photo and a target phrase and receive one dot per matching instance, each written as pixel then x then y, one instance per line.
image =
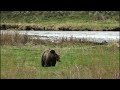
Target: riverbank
pixel 94 26
pixel 60 21
pixel 22 38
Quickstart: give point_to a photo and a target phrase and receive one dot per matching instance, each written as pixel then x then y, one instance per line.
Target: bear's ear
pixel 52 51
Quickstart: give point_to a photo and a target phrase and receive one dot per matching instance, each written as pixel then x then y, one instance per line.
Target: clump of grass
pixel 13 39
pixel 114 44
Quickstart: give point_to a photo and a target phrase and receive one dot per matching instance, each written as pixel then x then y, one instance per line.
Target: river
pixel 97 36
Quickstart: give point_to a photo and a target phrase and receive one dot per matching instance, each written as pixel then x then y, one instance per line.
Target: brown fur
pixel 49 58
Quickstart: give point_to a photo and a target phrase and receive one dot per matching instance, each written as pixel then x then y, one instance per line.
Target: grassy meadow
pixel 21 59
pixel 60 20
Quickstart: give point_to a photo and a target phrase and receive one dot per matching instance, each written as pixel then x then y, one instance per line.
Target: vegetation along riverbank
pixel 60 20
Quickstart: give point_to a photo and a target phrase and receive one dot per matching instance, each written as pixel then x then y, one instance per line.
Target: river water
pixel 97 36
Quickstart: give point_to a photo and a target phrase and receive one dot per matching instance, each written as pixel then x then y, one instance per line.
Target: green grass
pixel 77 62
pixel 80 59
pixel 47 21
pixel 67 25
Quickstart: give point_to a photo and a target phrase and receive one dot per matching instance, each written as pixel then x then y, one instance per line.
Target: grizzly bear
pixel 49 58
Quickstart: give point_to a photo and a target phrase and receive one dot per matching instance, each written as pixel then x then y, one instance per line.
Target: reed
pixel 15 39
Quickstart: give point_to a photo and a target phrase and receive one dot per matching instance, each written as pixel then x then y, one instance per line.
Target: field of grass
pixel 78 60
pixel 54 21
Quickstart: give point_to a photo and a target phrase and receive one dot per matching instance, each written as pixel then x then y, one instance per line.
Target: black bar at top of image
pixel 59 5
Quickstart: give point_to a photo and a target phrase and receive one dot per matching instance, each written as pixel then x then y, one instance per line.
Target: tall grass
pixel 14 39
pixel 20 59
pixel 59 20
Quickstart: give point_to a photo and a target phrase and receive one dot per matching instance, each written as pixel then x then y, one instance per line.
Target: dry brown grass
pixel 15 39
